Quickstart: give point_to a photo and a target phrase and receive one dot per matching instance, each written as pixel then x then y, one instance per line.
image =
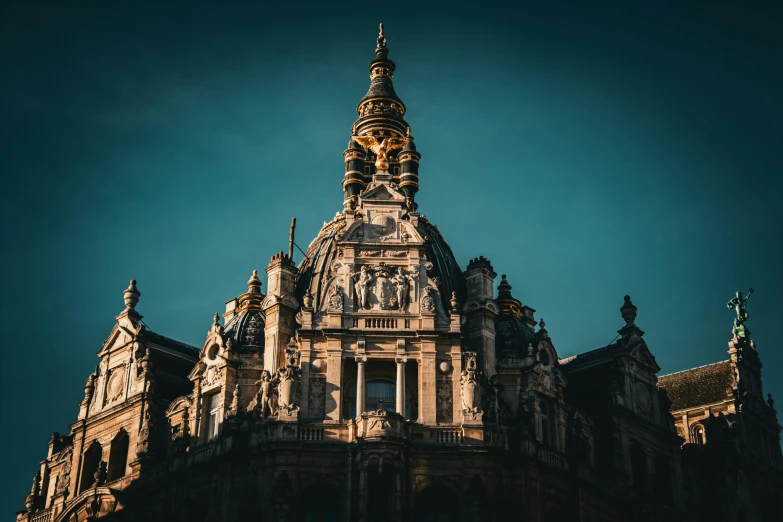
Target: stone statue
pixel 470 386
pixel 363 287
pixel 265 392
pixel 400 281
pixel 288 378
pixel 738 303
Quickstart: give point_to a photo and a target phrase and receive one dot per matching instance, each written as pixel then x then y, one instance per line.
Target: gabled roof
pixel 698 386
pixel 591 358
pixel 168 342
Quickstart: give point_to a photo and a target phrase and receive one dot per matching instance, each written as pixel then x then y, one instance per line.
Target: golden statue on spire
pixel 381 148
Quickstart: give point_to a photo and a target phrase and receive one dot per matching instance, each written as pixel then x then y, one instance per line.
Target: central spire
pixel 381 141
pixel 381 110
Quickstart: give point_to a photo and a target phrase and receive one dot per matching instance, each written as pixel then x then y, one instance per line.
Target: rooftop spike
pixel 254 284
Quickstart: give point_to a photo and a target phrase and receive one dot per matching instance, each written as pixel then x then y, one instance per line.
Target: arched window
pixel 212 414
pixel 90 461
pixel 545 422
pixel 118 456
pixel 380 394
pixel 698 435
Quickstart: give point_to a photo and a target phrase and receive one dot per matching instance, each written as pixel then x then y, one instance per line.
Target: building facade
pixel 378 381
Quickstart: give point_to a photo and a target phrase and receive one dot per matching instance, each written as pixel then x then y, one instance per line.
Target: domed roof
pixel 381 87
pixel 246 327
pixel 512 337
pixel 246 330
pixel 322 252
pixel 513 334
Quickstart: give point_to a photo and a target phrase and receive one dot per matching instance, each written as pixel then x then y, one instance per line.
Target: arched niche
pixel 118 456
pixel 90 461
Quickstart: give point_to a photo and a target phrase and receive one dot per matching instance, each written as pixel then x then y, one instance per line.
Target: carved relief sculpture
pixel 427 302
pixel 316 398
pixel 335 300
pixel 445 408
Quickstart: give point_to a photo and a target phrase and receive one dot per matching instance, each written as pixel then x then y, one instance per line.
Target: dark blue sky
pixel 589 153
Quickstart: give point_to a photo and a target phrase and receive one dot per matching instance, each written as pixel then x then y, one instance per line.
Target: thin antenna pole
pixel 291 240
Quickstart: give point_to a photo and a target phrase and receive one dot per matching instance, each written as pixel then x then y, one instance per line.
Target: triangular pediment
pixel 382 192
pixel 642 354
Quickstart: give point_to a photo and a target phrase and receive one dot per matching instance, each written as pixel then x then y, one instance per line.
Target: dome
pixel 512 337
pixel 381 87
pixel 322 252
pixel 246 330
pixel 246 327
pixel 409 146
pixel 513 334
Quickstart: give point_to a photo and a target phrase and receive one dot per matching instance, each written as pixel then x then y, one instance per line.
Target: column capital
pixel 360 359
pixel 401 360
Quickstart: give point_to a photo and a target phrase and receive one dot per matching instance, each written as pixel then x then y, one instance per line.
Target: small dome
pixel 246 330
pixel 512 337
pixel 352 145
pixel 409 146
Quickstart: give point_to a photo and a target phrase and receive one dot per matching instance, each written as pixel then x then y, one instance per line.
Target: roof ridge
pixel 694 368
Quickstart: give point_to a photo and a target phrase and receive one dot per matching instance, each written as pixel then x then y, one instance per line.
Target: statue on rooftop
pixel 738 303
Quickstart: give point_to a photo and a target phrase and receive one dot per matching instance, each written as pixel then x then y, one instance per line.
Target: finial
pixel 454 302
pixel 131 296
pixel 628 311
pixel 381 38
pixel 408 133
pixel 254 284
pixel 542 333
pixel 216 318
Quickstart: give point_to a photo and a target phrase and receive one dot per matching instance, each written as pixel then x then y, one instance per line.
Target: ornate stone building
pixel 378 381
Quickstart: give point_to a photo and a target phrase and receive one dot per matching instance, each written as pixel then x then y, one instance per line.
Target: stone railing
pixel 449 436
pixel 202 453
pixel 446 435
pixel 380 322
pixel 281 431
pixel 310 433
pixel 153 474
pixel 42 516
pixel 551 458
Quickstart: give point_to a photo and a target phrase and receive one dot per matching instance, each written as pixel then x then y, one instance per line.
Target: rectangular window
pixel 213 417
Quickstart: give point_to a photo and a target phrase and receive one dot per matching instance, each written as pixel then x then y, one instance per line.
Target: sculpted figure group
pixel 390 289
pixel 278 393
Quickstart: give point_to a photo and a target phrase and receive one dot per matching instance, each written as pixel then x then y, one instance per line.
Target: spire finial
pixel 628 311
pixel 131 295
pixel 254 284
pixel 216 318
pixel 381 38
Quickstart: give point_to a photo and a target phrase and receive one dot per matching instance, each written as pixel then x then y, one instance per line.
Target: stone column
pixel 334 380
pixel 400 386
pixel 360 384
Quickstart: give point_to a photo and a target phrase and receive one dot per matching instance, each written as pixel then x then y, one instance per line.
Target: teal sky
pixel 589 153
